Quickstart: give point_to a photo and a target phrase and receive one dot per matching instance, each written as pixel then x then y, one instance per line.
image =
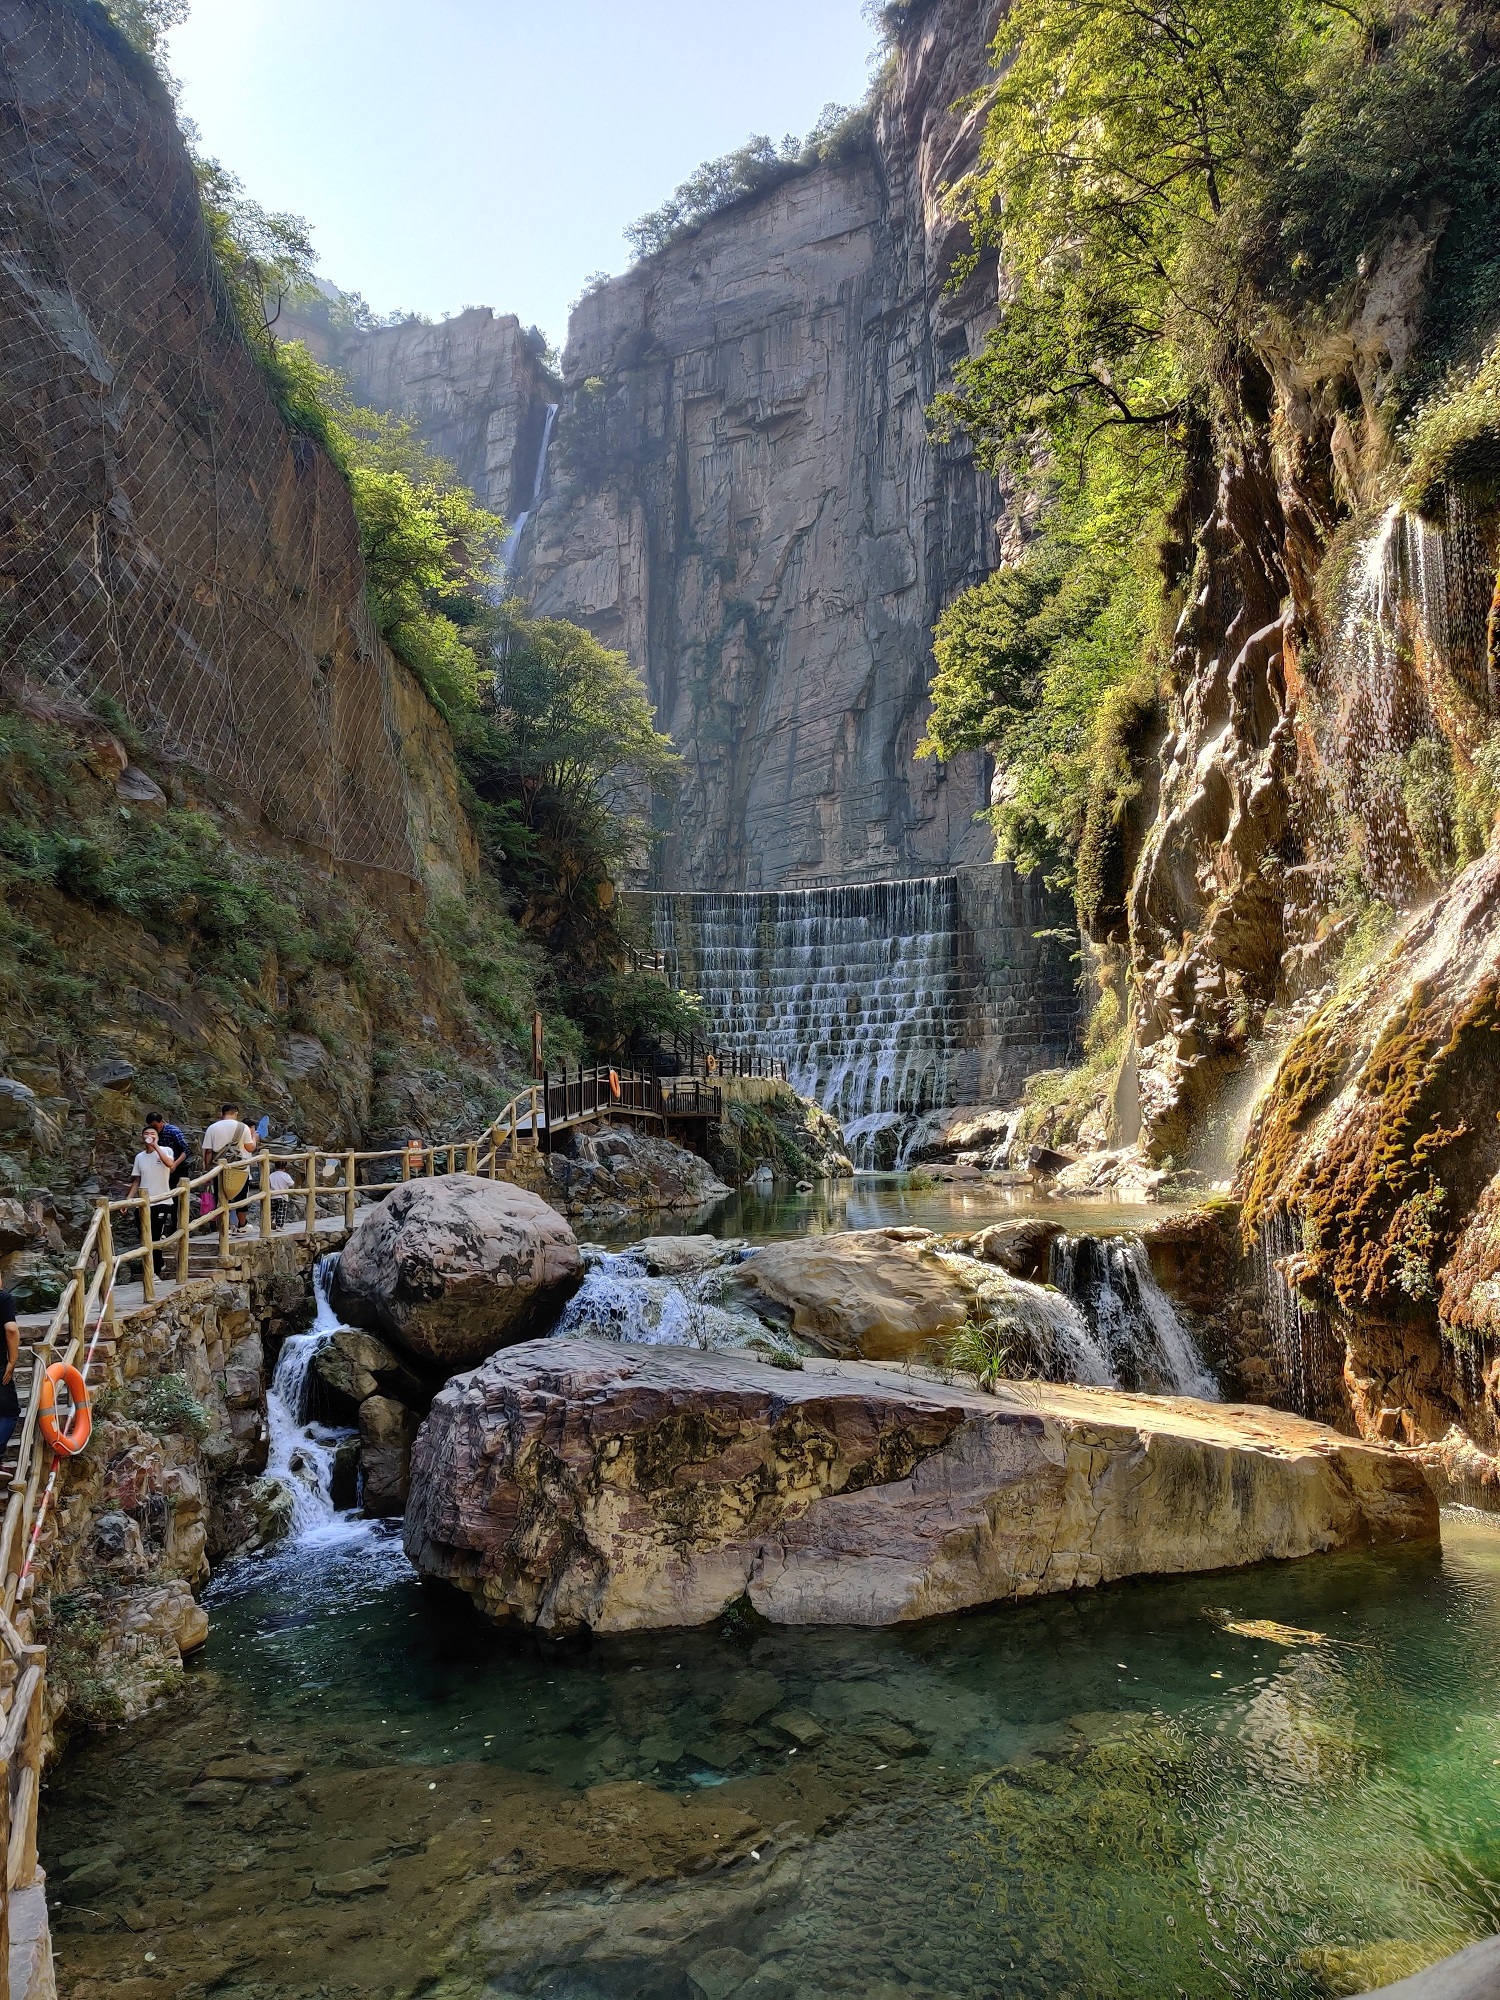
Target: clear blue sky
pixel 489 152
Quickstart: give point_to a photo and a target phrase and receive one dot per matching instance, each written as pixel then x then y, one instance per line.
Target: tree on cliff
pixel 564 757
pixel 1171 183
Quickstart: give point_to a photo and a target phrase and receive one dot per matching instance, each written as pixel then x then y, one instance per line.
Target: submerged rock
pixel 452 1269
pixel 573 1483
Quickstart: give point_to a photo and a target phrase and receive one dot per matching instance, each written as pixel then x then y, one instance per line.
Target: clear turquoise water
pixel 1097 1796
pixel 880 1201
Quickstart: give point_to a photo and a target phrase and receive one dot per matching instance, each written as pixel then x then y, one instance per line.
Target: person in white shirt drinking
pixel 151 1175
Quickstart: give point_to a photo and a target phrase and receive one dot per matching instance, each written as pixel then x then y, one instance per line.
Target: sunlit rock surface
pixel 453 1268
pixel 569 1484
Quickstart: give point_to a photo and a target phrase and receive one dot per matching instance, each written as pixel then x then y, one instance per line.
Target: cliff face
pixel 232 843
pixel 164 539
pixel 742 493
pixel 474 384
pixel 746 500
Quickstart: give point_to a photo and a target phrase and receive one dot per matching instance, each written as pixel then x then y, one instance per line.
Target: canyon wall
pixel 165 540
pixel 742 492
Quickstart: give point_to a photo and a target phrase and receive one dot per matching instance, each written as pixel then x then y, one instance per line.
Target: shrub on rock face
pixel 453 1269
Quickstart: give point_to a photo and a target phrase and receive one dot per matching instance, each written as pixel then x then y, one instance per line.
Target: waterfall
pixel 619 1301
pixel 512 542
pixel 862 989
pixel 1145 1345
pixel 1310 1354
pixel 302 1453
pixel 1417 595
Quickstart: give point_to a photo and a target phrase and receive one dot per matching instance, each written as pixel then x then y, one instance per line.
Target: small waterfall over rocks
pixel 619 1300
pixel 1308 1350
pixel 302 1452
pixel 887 1000
pixel 1142 1343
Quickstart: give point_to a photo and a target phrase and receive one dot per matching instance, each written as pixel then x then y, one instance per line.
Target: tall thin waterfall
pixel 512 541
pixel 1309 1350
pixel 862 989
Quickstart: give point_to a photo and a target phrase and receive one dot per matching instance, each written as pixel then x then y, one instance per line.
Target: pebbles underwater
pixel 1164 1788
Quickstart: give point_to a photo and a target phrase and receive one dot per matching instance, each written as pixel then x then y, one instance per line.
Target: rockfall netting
pixel 165 540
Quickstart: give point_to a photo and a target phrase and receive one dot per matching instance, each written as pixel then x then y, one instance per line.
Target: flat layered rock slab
pixel 574 1484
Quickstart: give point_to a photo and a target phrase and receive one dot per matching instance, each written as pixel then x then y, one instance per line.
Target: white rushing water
pixel 1143 1343
pixel 302 1452
pixel 619 1300
pixel 512 542
pixel 862 989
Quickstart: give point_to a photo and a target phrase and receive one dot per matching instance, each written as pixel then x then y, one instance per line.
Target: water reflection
pixel 365 1791
pixel 883 1201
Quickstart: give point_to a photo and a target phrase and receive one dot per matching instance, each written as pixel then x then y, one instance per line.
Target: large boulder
pixel 575 1483
pixel 453 1268
pixel 875 1293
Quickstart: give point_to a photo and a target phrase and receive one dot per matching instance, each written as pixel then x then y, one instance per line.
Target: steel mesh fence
pixel 165 540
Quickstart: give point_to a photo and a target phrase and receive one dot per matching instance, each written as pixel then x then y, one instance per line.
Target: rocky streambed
pixel 1279 1782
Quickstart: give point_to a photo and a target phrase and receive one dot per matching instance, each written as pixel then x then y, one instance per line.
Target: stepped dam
pixel 887 1000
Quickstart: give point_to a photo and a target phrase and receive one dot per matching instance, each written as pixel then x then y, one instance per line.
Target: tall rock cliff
pixel 165 540
pixel 742 492
pixel 476 385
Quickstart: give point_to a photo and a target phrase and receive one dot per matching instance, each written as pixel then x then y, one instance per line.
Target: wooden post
pixel 148 1263
pixel 473 1161
pixel 311 1224
pixel 106 1240
pixel 265 1195
pixel 184 1230
pixel 21 1849
pixel 221 1210
pixel 348 1190
pixel 78 1304
pixel 406 1163
pixel 5 1878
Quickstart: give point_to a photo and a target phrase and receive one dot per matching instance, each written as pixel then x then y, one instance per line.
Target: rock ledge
pixel 575 1483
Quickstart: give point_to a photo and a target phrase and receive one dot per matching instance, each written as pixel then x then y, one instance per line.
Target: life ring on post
pixel 614 1085
pixel 66 1443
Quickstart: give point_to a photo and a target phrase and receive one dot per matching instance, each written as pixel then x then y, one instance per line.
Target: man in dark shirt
pixel 10 1402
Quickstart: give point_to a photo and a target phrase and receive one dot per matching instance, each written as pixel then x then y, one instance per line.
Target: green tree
pixel 563 756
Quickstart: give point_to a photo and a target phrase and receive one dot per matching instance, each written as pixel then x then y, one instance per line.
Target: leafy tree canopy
pixel 1164 180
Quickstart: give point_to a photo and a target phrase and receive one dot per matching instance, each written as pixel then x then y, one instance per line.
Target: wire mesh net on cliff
pixel 165 540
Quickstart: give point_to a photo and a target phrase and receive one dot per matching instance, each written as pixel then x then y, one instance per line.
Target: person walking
pixel 151 1175
pixel 10 1401
pixel 174 1137
pixel 228 1143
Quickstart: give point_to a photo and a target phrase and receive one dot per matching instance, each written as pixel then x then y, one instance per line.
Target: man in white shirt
pixel 229 1142
pixel 151 1175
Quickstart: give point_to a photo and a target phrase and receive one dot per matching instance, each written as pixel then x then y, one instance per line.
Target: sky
pixel 451 153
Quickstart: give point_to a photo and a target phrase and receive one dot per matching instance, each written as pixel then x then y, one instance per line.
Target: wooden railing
pixel 327 1186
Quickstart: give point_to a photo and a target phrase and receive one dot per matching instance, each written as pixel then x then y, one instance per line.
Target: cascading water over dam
pixel 887 1000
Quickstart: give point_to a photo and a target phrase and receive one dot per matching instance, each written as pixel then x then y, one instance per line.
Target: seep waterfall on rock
pixel 511 546
pixel 861 989
pixel 302 1452
pixel 1143 1343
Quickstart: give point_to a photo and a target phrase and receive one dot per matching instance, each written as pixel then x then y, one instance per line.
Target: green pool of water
pixel 1102 1795
pixel 881 1201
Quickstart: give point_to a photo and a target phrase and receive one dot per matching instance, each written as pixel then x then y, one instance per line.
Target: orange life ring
pixel 66 1443
pixel 614 1084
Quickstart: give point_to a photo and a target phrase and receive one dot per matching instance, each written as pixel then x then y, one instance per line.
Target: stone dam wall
pixel 887 999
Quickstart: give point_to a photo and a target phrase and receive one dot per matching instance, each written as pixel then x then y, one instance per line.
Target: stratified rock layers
pixel 570 1484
